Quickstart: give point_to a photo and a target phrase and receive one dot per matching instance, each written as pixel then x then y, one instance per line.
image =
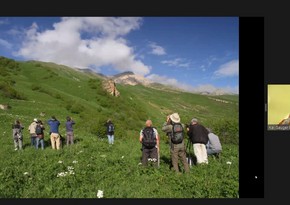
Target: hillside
pixel 61 91
pixel 39 90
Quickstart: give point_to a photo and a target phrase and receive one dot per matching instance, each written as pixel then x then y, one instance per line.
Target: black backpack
pixel 177 133
pixel 38 130
pixel 149 139
pixel 110 128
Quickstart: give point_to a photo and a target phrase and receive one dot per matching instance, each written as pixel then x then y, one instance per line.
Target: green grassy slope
pixel 31 88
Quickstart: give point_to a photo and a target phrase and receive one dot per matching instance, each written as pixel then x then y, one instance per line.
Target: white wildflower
pixel 62 174
pixel 59 162
pixel 25 173
pixel 71 172
pixel 229 162
pixel 122 157
pixel 88 165
pixel 75 162
pixel 100 194
pixel 70 168
pixel 149 159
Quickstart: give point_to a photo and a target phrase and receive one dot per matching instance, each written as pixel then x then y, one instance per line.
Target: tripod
pixel 188 152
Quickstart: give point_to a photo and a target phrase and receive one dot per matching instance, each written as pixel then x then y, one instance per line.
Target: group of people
pixel 36 131
pixel 203 141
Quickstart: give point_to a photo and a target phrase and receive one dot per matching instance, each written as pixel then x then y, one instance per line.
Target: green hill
pixel 39 90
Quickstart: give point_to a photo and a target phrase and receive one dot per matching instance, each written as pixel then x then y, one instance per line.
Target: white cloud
pixel 85 41
pixel 178 62
pixel 5 44
pixel 229 69
pixel 157 50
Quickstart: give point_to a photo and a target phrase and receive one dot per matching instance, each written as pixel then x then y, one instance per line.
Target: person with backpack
pixel 69 130
pixel 40 134
pixel 149 139
pixel 198 135
pixel 17 135
pixel 213 147
pixel 175 130
pixel 110 131
pixel 31 130
pixel 54 133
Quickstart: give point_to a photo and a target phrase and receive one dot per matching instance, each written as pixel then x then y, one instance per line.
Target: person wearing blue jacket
pixel 54 133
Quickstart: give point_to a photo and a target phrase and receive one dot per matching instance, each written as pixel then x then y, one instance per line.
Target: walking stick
pixel 158 158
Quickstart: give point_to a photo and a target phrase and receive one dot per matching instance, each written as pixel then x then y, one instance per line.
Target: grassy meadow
pixel 34 89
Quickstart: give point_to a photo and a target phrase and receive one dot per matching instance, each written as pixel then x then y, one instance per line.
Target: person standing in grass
pixel 69 130
pixel 149 139
pixel 40 134
pixel 31 130
pixel 17 134
pixel 54 133
pixel 175 130
pixel 110 131
pixel 198 135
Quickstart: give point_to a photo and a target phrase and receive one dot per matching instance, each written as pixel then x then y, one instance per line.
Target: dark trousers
pixel 150 155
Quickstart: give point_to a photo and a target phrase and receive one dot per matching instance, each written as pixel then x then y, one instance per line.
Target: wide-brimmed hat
pixel 194 120
pixel 175 117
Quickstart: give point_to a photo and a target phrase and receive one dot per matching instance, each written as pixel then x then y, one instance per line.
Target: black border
pixel 251 99
pixel 251 82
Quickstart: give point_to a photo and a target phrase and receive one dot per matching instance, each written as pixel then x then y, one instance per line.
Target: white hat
pixel 35 120
pixel 175 117
pixel 194 120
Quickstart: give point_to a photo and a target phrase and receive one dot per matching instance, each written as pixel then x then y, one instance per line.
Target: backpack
pixel 110 128
pixel 149 139
pixel 17 134
pixel 38 130
pixel 177 133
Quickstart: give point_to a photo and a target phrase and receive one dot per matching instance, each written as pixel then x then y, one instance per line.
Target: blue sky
pixel 192 53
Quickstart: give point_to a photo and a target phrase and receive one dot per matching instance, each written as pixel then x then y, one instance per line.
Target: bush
pixel 75 108
pixel 227 130
pixel 10 92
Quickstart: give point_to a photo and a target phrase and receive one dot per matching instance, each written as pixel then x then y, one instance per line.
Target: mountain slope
pixel 61 91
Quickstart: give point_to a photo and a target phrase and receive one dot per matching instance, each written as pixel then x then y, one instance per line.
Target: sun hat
pixel 175 118
pixel 194 120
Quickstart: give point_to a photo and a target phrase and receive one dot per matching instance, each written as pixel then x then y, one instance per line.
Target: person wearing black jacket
pixel 198 135
pixel 110 131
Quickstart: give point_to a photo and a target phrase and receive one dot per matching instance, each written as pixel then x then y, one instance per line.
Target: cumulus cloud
pixel 178 62
pixel 5 44
pixel 85 41
pixel 189 88
pixel 228 69
pixel 156 49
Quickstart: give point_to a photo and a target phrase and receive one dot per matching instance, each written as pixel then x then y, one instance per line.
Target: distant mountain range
pixel 130 78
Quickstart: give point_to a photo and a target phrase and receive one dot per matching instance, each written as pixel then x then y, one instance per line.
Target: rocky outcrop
pixel 129 78
pixel 110 87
